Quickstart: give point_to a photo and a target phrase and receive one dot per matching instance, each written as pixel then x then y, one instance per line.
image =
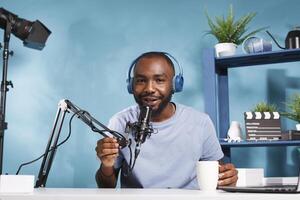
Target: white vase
pixel 298 127
pixel 234 132
pixel 225 49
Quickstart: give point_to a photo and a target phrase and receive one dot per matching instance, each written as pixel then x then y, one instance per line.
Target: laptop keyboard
pixel 262 189
pixel 278 188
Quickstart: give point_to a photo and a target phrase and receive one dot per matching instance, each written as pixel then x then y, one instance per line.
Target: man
pixel 183 135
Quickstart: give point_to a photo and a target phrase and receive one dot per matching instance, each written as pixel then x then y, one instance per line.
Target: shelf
pixel 215 77
pixel 216 89
pixel 260 143
pixel 272 57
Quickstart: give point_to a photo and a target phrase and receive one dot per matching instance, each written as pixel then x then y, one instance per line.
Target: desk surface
pixel 139 194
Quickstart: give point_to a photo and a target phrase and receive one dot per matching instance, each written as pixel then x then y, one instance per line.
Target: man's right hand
pixel 107 150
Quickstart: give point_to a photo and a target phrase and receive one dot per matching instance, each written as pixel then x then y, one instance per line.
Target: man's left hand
pixel 227 175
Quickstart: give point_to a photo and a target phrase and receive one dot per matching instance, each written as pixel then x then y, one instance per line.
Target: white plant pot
pixel 298 127
pixel 225 49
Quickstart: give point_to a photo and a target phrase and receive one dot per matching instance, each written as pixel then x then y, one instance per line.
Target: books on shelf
pixel 290 135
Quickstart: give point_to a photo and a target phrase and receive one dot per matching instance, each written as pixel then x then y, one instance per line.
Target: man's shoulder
pixel 130 111
pixel 187 110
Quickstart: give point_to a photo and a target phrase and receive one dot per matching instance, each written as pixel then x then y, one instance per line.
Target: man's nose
pixel 150 87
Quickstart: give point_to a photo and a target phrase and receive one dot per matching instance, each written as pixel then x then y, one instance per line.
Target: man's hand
pixel 107 150
pixel 227 175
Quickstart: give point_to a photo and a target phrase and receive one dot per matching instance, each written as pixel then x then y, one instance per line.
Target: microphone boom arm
pixel 65 106
pixel 89 120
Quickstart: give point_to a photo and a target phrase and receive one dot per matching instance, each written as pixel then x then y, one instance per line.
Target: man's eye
pixel 160 80
pixel 140 81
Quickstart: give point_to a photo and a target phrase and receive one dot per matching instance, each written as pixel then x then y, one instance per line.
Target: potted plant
pixel 264 107
pixel 229 32
pixel 263 122
pixel 293 112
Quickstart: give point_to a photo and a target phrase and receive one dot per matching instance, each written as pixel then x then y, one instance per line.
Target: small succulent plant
pixel 264 107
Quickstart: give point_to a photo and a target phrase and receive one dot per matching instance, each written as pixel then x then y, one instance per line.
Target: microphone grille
pixel 145 114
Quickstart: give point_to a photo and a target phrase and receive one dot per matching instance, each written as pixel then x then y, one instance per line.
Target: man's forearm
pixel 106 177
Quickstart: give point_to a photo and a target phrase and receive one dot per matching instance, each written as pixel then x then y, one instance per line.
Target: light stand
pixel 4 89
pixel 33 35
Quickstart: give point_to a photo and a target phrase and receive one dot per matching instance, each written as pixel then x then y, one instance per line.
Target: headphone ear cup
pixel 178 83
pixel 130 85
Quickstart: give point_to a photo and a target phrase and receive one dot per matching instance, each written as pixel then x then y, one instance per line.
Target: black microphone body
pixel 143 128
pixel 143 124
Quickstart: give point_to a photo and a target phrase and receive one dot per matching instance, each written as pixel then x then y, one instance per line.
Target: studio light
pixel 33 34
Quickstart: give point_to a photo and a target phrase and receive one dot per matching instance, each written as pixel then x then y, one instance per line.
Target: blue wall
pixel 86 59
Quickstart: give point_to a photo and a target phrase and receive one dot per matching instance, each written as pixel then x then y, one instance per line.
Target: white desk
pixel 140 194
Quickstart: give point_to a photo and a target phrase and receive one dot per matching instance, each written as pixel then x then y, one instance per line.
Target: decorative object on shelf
pixel 234 133
pixel 291 135
pixel 292 40
pixel 263 122
pixel 230 32
pixel 293 112
pixel 256 45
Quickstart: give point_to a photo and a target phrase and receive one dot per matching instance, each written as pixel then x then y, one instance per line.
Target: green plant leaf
pixel 293 106
pixel 225 29
pixel 251 33
pixel 264 107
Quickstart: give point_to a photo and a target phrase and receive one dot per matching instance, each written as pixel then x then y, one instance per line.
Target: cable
pixel 134 160
pixel 91 121
pixel 87 118
pixel 65 140
pixel 133 128
pixel 129 169
pixel 274 40
pixel 93 128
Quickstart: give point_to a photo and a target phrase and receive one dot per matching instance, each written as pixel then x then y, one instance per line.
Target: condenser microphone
pixel 143 128
pixel 143 124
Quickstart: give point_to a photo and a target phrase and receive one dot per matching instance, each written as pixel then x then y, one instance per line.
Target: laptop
pixel 265 189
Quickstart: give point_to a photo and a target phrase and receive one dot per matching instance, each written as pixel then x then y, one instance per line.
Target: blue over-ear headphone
pixel 177 80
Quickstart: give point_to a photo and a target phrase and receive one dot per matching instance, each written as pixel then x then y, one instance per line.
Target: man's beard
pixel 161 106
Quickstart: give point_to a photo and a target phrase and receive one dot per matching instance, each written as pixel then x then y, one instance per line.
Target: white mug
pixel 208 175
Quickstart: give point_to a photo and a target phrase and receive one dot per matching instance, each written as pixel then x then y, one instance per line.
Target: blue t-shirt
pixel 168 158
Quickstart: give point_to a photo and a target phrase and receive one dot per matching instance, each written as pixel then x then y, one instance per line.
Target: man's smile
pixel 150 100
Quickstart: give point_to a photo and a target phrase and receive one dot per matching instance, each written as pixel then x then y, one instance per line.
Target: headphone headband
pixel 177 80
